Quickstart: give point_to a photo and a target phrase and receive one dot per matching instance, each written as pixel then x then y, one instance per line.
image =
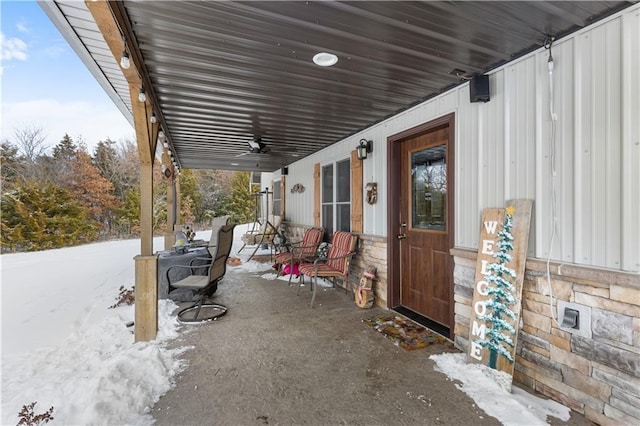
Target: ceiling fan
pixel 256 146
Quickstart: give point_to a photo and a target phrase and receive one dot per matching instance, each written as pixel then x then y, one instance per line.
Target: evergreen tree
pixel 60 166
pixel 65 151
pixel 40 217
pixel 105 158
pixel 12 166
pixel 499 331
pixel 241 204
pixel 128 213
pixel 190 199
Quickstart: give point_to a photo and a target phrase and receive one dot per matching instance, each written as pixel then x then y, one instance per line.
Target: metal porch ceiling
pixel 227 72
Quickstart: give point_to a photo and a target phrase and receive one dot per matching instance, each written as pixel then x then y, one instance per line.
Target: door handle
pixel 402 236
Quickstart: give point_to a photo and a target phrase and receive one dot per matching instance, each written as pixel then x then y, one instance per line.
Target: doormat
pixel 404 333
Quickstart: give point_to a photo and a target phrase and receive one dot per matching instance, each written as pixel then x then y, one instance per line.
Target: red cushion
pixel 343 244
pixel 324 270
pixel 283 258
pixel 307 248
pixel 310 242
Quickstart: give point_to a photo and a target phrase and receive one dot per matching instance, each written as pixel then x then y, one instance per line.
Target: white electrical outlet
pixel 583 327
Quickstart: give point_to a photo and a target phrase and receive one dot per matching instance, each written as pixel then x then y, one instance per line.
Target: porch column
pixel 146 303
pixel 146 292
pixel 178 220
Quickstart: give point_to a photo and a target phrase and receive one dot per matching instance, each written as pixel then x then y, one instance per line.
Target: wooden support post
pixel 146 209
pixel 169 236
pixel 146 321
pixel 177 200
pixel 146 293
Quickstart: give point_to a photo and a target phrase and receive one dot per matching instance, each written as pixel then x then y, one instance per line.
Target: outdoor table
pixel 169 258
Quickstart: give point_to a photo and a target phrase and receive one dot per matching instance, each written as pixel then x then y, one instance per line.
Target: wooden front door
pixel 423 230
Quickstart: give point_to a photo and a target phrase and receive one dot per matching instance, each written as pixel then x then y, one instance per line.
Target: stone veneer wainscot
pixel 597 376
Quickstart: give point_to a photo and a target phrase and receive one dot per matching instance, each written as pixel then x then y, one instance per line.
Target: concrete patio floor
pixel 273 360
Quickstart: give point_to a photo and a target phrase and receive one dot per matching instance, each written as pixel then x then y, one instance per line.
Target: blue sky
pixel 44 83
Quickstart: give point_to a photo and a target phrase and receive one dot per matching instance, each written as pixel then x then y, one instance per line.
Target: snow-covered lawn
pixel 61 346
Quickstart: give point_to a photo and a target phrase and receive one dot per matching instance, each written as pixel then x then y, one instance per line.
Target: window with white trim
pixel 336 196
pixel 277 198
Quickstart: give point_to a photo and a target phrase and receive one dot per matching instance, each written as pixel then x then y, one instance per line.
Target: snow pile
pixel 488 388
pixel 63 347
pixel 96 375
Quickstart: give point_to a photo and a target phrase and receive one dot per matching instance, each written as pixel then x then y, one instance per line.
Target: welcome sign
pixel 497 294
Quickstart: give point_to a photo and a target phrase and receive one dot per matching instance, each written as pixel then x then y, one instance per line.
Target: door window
pixel 429 188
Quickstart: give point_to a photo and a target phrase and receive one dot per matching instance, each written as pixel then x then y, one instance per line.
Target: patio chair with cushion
pixel 335 265
pixel 296 252
pixel 217 223
pixel 207 284
pixel 212 246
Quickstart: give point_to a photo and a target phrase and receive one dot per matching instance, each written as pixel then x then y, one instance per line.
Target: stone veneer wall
pixel 598 376
pixel 371 250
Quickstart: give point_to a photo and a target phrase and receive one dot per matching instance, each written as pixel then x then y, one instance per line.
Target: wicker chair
pixel 336 264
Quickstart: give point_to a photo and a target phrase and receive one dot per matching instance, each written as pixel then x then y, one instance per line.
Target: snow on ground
pixel 487 388
pixel 61 346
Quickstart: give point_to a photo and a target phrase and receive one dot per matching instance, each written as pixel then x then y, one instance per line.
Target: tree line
pixel 67 196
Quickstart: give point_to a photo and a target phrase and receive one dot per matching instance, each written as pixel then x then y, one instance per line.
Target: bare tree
pixel 31 142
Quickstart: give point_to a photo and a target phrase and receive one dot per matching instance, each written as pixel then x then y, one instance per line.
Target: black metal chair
pixel 207 284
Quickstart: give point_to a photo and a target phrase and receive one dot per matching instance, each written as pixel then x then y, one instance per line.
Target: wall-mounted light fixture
pixel 153 118
pixel 364 148
pixel 125 63
pixel 142 97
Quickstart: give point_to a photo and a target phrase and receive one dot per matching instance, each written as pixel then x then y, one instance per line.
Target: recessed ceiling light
pixel 325 59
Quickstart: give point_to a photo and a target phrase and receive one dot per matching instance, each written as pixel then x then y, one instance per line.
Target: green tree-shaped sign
pixel 500 291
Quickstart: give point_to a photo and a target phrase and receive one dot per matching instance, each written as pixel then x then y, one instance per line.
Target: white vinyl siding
pixel 503 149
